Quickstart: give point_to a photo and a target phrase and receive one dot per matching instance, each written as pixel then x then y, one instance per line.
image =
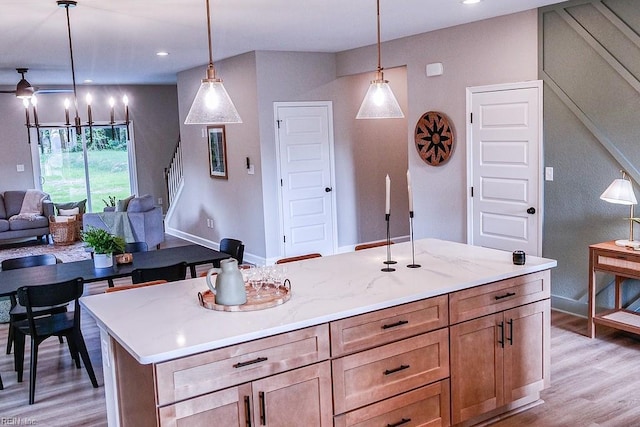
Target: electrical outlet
pixel 20 168
pixel 160 201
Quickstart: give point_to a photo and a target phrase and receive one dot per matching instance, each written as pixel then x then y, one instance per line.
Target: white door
pixel 504 145
pixel 305 156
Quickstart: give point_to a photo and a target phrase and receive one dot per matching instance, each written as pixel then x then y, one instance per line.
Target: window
pixel 72 167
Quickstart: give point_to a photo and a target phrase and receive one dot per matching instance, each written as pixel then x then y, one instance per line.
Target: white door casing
pixel 304 139
pixel 504 173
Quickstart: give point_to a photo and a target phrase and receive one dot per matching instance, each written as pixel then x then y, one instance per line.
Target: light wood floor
pixel 593 382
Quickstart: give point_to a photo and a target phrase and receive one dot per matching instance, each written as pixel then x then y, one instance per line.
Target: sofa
pixel 13 226
pixel 136 220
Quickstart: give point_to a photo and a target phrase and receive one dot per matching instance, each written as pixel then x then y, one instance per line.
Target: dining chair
pixel 170 273
pixel 233 247
pixel 372 245
pixel 298 258
pixel 133 247
pixel 18 312
pixel 134 286
pixel 40 327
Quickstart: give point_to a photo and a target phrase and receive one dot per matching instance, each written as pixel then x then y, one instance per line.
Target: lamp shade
pixel 212 105
pixel 620 192
pixel 379 103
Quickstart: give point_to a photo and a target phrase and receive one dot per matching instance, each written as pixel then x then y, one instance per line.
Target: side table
pixel 623 263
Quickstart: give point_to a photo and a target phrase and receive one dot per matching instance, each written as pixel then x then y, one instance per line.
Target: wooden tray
pixel 267 298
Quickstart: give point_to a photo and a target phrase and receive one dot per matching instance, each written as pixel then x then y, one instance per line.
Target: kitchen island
pixel 168 359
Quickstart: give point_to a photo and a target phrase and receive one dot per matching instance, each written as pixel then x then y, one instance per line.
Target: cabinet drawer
pixel 616 262
pixel 363 378
pixel 384 326
pixel 494 297
pixel 205 372
pixel 426 406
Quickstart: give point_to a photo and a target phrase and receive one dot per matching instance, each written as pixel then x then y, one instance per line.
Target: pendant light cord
pixel 209 35
pixel 73 70
pixel 379 60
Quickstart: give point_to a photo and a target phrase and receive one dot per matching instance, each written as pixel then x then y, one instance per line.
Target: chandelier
pixel 32 101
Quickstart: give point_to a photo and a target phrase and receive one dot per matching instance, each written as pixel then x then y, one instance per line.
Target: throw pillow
pixel 122 205
pixel 141 204
pixel 69 212
pixel 81 205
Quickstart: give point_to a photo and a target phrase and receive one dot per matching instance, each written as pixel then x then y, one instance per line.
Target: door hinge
pixel 281 184
pixel 471 118
pixel 278 123
pixel 284 239
pixel 471 191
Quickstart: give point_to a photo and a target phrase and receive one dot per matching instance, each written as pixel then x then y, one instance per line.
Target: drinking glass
pixel 256 279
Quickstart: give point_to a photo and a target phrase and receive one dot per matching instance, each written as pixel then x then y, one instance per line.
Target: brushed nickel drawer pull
pixel 250 362
pixel 399 423
pixel 393 371
pixel 393 325
pixel 507 295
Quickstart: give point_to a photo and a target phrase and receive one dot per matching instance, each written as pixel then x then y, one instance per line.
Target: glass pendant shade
pixel 620 192
pixel 380 103
pixel 212 105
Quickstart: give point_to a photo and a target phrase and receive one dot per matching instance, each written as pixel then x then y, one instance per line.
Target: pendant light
pixel 379 102
pixel 212 104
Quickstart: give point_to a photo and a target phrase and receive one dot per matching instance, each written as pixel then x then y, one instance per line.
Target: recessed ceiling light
pixel 162 53
pixel 88 81
pixel 470 1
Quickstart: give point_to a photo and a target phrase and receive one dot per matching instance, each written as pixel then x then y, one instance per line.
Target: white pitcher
pixel 229 285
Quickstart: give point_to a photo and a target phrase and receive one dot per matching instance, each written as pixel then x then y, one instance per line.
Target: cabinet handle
pixel 393 371
pixel 393 325
pixel 501 340
pixel 247 410
pixel 250 362
pixel 510 337
pixel 507 295
pixel 399 423
pixel 263 409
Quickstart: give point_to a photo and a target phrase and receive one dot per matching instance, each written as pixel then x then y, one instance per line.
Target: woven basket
pixel 62 233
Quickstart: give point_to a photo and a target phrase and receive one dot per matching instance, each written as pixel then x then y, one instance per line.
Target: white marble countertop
pixel 163 322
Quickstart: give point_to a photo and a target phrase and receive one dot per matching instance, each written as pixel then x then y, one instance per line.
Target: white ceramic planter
pixel 102 260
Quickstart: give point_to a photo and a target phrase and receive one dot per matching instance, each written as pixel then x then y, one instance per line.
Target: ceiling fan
pixel 25 90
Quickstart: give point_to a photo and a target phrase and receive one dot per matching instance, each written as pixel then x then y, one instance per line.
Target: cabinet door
pixel 228 407
pixel 301 397
pixel 476 367
pixel 526 352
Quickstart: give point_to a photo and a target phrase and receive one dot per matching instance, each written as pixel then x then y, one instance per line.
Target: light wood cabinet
pixel 460 358
pixel 303 395
pixel 499 359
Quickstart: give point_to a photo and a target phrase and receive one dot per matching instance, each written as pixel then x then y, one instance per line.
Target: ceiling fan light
pixel 212 105
pixel 24 89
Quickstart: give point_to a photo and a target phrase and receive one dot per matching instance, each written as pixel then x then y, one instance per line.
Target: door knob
pixel 531 210
pixel 327 189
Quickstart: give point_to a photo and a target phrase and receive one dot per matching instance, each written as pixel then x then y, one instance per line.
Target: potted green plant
pixel 104 245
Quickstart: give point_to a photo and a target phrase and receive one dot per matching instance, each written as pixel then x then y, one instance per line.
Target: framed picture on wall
pixel 217 152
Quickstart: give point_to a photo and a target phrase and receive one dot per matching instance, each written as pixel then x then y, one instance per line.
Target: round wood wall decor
pixel 434 138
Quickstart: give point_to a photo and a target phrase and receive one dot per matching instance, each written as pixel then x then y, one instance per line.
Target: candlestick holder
pixel 389 260
pixel 413 253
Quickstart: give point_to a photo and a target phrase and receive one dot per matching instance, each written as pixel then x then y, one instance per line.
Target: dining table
pixel 193 255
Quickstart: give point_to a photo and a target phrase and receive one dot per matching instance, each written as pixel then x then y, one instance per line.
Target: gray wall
pixel 498 50
pixel 246 206
pixel 590 63
pixel 153 109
